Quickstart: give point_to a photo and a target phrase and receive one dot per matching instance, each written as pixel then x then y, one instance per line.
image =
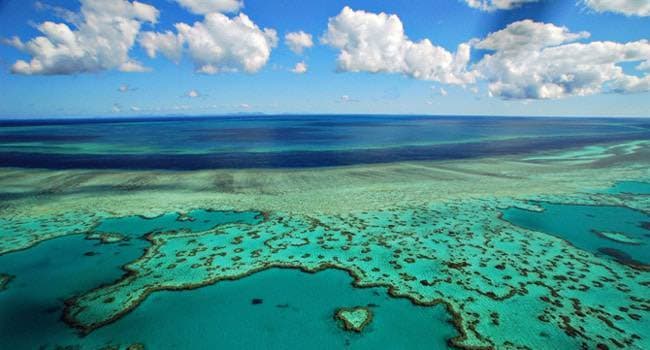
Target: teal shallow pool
pixel 195 221
pixel 280 309
pixel 46 275
pixel 273 309
pixel 633 187
pixel 615 232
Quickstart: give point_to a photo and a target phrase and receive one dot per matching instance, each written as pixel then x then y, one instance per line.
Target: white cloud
pixel 101 40
pixel 133 66
pixel 168 43
pixel 202 7
pixel 492 5
pixel 216 44
pixel 626 7
pixel 63 13
pixel 439 91
pixel 244 106
pixel 300 68
pixel 193 94
pixel 528 35
pixel 532 60
pixel 376 43
pixel 125 88
pixel 298 41
pixel 347 98
pixel 525 60
pixel 645 65
pixel 181 107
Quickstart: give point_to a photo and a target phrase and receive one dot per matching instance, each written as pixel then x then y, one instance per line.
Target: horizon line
pixel 270 115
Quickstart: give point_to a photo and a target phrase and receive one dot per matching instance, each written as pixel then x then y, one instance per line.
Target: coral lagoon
pixel 522 233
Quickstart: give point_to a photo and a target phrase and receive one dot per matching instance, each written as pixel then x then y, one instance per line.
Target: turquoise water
pixel 195 221
pixel 296 312
pixel 293 309
pixel 578 223
pixel 634 187
pixel 46 275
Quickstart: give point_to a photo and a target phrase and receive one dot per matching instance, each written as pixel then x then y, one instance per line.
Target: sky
pixel 110 58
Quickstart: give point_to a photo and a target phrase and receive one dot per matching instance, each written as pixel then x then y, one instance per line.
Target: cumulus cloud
pixel 125 88
pixel 202 7
pixel 132 66
pixel 491 5
pixel 626 7
pixel 347 99
pixel 193 93
pixel 373 42
pixel 438 91
pixel 298 41
pixel 216 44
pixel 528 35
pixel 532 60
pixel 300 68
pixel 100 39
pixel 168 43
pixel 63 13
pixel 525 60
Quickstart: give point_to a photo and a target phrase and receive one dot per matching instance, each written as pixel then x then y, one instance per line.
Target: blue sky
pixel 511 83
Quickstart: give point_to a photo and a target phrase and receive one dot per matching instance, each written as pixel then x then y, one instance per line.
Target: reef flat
pixel 42 204
pixel 619 237
pixel 480 267
pixel 435 233
pixel 354 318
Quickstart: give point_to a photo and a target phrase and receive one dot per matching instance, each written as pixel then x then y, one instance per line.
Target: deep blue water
pixel 292 141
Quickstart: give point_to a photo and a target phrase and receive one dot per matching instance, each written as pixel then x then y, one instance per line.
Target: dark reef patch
pixel 623 257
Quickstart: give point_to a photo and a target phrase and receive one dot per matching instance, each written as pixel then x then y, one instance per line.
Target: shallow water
pixel 581 224
pixel 194 221
pixel 630 187
pixel 296 312
pixel 292 309
pixel 429 230
pixel 48 274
